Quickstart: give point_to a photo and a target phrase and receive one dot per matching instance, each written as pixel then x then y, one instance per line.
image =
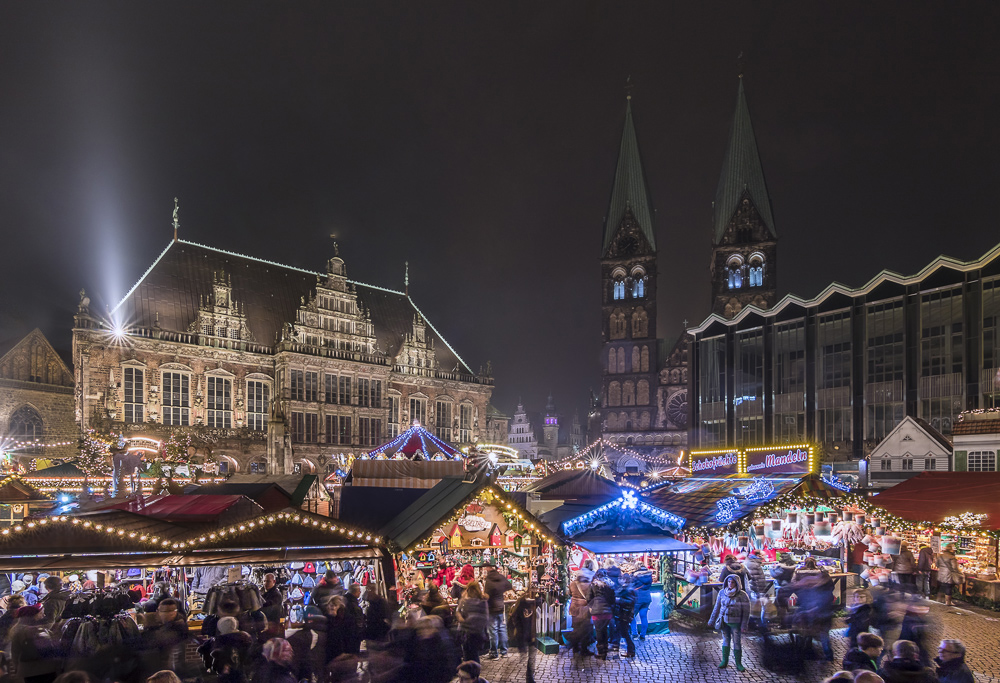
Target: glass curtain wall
pixel 884 407
pixel 712 396
pixel 942 355
pixel 989 380
pixel 749 388
pixel 833 378
pixel 790 382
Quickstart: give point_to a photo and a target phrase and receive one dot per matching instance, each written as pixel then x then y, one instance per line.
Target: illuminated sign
pixel 715 462
pixel 786 460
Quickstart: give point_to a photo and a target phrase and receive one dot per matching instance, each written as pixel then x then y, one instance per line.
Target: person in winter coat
pixel 496 584
pixel 433 599
pixel 34 654
pixel 905 567
pixel 731 614
pixel 468 672
pixel 462 580
pixel 642 582
pixel 625 601
pixel 9 619
pixel 355 620
pixel 378 617
pixel 54 601
pixel 601 603
pixel 733 567
pixel 522 631
pixel 905 666
pixel 859 615
pixel 865 655
pixel 613 572
pixel 757 583
pixel 272 602
pixel 951 666
pixel 579 592
pixel 815 610
pixel 808 568
pixel 328 586
pixel 279 663
pixel 473 615
pixel 926 566
pixel 949 575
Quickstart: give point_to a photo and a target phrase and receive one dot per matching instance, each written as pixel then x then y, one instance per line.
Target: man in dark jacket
pixel 865 655
pixel 926 566
pixel 496 584
pixel 642 581
pixel 355 620
pixel 272 608
pixel 951 666
pixel 905 666
pixel 54 601
pixel 601 601
pixel 624 611
pixel 329 586
pixel 378 618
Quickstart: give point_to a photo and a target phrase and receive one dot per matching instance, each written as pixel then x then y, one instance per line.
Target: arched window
pixel 614 394
pixel 612 361
pixel 26 425
pixel 638 287
pixel 645 359
pixel 617 325
pixel 642 393
pixel 612 421
pixel 734 268
pixel 628 394
pixel 623 422
pixel 618 289
pixel 644 421
pixel 640 323
pixel 756 272
pixel 636 363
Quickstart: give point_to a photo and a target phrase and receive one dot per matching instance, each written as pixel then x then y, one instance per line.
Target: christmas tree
pixel 95 454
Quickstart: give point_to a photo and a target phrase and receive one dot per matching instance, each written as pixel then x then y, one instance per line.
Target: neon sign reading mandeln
pixel 793 460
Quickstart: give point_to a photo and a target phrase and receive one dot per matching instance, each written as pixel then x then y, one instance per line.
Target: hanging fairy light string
pixel 442 448
pixel 610 512
pixel 197 540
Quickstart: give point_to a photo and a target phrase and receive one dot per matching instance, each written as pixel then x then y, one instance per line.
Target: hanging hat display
pixel 309 568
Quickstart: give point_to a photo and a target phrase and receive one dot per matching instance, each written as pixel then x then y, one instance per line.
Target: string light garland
pixel 620 508
pixel 443 448
pixel 197 540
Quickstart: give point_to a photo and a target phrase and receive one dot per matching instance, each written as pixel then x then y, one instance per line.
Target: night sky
pixel 477 140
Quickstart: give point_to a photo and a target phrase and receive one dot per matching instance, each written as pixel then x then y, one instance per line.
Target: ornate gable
pixel 34 360
pixel 219 314
pixel 628 240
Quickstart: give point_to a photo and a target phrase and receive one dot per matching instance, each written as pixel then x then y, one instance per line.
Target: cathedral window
pixel 418 410
pixel 628 394
pixel 623 422
pixel 756 271
pixel 26 425
pixel 312 387
pixel 618 290
pixel 644 420
pixel 734 271
pixel 176 399
pixel 636 363
pixel 259 467
pixel 234 333
pixel 298 385
pixel 642 392
pixel 621 360
pixel 220 393
pixel 258 401
pixel 312 428
pixel 640 323
pixel 134 394
pixel 638 287
pixel 614 394
pixel 207 329
pixel 617 325
pixel 612 421
pixel 220 331
pixel 465 423
pixel 644 363
pixel 442 413
pixel 612 360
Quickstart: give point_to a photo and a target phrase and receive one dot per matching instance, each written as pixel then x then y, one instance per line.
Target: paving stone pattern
pixel 692 654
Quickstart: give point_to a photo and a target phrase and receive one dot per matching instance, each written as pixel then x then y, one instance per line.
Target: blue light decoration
pixel 727 509
pixel 428 444
pixel 757 490
pixel 836 482
pixel 619 508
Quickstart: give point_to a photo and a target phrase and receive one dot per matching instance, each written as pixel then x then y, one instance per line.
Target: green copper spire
pixel 629 192
pixel 741 172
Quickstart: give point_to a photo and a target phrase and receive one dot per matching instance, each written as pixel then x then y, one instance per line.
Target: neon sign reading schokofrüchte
pixel 724 461
pixel 795 459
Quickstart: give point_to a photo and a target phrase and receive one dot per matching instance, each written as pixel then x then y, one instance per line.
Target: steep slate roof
pixel 741 171
pixel 582 483
pixel 270 293
pixel 630 190
pixel 190 508
pixel 421 518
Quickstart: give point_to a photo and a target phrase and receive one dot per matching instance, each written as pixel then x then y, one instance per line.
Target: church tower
pixel 628 294
pixel 744 243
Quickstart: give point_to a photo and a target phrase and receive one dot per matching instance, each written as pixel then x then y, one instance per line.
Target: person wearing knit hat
pixel 466 576
pixel 32 650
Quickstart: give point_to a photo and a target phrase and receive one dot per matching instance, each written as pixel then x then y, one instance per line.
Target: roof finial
pixel 628 88
pixel 406 278
pixel 740 64
pixel 176 222
pixel 336 247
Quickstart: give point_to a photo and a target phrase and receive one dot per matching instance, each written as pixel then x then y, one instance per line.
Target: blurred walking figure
pixel 905 568
pixel 624 611
pixel 579 591
pixel 949 575
pixel 905 666
pixel 926 565
pixel 731 614
pixel 642 581
pixel 522 624
pixel 473 616
pixel 757 583
pixel 601 602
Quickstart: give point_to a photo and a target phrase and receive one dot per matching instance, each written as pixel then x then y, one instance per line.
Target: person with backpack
pixel 601 602
pixel 624 611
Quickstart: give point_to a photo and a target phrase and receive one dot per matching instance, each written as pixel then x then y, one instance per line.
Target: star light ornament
pixel 628 500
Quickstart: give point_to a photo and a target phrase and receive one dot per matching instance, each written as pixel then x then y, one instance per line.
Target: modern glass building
pixel 844 368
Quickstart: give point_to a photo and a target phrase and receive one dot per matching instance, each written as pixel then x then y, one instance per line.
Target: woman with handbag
pixel 949 574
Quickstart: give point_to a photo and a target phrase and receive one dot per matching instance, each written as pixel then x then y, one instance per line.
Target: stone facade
pixel 36 401
pixel 270 368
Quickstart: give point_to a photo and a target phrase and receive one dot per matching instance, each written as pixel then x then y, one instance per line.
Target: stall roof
pixel 932 496
pixel 268 495
pixel 372 507
pixel 574 483
pixel 603 545
pixel 422 517
pixel 403 474
pixel 67 470
pixel 297 486
pixel 14 489
pixel 192 508
pixel 695 498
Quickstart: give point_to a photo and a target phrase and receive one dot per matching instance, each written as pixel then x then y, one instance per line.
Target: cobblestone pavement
pixel 692 654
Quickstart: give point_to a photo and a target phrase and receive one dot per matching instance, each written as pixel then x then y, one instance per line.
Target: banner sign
pixel 793 460
pixel 714 463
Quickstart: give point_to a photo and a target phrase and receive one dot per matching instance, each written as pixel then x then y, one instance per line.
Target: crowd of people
pixel 604 604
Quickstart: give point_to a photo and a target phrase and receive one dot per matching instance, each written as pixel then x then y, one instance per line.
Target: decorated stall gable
pixel 779 460
pixel 714 463
pixel 622 511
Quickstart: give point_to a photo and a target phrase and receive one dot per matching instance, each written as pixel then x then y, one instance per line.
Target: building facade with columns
pixel 270 368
